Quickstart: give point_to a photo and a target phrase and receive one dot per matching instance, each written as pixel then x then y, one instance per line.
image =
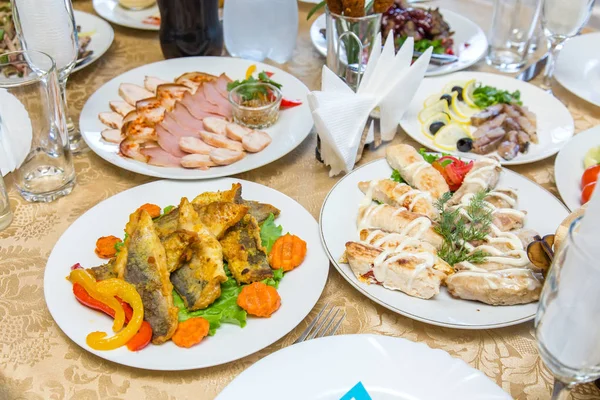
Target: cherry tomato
pixel 590 175
pixel 587 192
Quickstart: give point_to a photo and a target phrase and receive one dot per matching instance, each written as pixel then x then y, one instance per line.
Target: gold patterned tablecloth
pixel 37 361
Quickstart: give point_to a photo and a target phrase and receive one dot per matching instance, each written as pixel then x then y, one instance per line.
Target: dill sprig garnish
pixel 458 230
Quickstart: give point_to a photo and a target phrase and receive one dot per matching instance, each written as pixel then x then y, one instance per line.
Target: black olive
pixel 448 99
pixel 435 127
pixel 459 90
pixel 465 145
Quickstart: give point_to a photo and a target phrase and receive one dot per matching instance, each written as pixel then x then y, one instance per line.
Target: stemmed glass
pixel 567 324
pixel 49 26
pixel 562 20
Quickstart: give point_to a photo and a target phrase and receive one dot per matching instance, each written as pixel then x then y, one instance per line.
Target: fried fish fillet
pixel 142 262
pixel 198 280
pixel 104 271
pixel 176 247
pixel 219 216
pixel 227 196
pixel 244 252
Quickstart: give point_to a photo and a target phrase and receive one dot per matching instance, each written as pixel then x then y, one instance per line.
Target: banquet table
pixel 38 361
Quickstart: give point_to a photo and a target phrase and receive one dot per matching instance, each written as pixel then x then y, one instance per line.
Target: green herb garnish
pixel 485 96
pixel 167 210
pixel 119 245
pixel 269 232
pixel 252 92
pixel 316 8
pixel 396 177
pixel 458 230
pixel 431 158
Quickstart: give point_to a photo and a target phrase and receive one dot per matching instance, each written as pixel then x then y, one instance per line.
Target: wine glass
pixel 567 324
pixel 562 20
pixel 49 26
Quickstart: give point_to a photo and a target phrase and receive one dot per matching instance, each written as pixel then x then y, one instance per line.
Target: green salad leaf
pixel 269 232
pixel 485 96
pixel 167 210
pixel 274 281
pixel 396 177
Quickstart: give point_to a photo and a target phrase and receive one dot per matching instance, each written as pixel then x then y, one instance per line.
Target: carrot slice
pixel 152 209
pixel 259 299
pixel 288 252
pixel 105 246
pixel 191 332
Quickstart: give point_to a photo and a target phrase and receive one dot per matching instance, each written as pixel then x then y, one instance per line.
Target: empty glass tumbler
pixel 261 29
pixel 513 25
pixel 32 122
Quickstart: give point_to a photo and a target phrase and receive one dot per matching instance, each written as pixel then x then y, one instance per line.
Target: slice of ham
pixel 221 85
pixel 121 107
pixel 214 97
pixel 168 142
pixel 185 119
pixel 220 141
pixel 111 119
pixel 215 125
pixel 151 83
pixel 256 141
pixel 131 149
pixel 170 93
pixel 112 135
pixel 151 110
pixel 196 109
pixel 236 132
pixel 200 161
pixel 226 156
pixel 175 128
pixel 194 146
pixel 199 99
pixel 133 93
pixel 193 80
pixel 157 156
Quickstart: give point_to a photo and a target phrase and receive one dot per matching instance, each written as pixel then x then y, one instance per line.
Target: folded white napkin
pixel 15 132
pixel 389 82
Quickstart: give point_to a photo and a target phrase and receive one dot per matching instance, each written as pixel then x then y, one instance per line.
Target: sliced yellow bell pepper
pixel 250 71
pixel 88 282
pixel 117 287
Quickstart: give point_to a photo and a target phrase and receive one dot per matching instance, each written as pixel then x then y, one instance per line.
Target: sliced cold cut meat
pixel 236 132
pixel 256 141
pixel 175 128
pixel 111 119
pixel 226 156
pixel 150 109
pixel 185 119
pixel 214 97
pixel 221 85
pixel 157 156
pixel 151 83
pixel 112 135
pixel 196 108
pixel 194 145
pixel 216 140
pixel 200 161
pixel 130 148
pixel 121 107
pixel 170 93
pixel 168 142
pixel 215 125
pixel 133 93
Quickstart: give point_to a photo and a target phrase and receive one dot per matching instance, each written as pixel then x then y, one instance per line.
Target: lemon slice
pixel 439 117
pixel 468 90
pixel 459 118
pixel 450 85
pixel 447 137
pixel 592 157
pixel 431 100
pixel 435 108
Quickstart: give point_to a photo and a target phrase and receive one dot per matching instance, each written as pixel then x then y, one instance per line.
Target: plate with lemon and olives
pixel 459 114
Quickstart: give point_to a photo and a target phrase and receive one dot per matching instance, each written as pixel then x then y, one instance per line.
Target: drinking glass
pixel 513 24
pixel 562 20
pixel 567 324
pixel 49 26
pixel 5 212
pixel 32 116
pixel 260 29
pixel 349 44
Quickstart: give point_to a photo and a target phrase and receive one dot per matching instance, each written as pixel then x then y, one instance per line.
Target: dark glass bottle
pixel 190 28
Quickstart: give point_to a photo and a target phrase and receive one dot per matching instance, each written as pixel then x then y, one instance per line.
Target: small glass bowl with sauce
pixel 255 105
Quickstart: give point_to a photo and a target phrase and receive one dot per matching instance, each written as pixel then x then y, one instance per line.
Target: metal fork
pixel 320 327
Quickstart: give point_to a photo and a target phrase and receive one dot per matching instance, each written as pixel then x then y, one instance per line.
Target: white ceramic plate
pixel 465 31
pixel 113 12
pixel 299 290
pixel 555 124
pixel 288 132
pixel 102 35
pixel 568 167
pixel 388 369
pixel 338 226
pixel 578 67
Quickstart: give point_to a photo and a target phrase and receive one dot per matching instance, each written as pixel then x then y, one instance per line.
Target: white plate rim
pixel 107 29
pixel 109 16
pixel 560 74
pixel 349 341
pixel 519 160
pixel 304 126
pixel 566 183
pixel 390 307
pixel 318 284
pixel 319 23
